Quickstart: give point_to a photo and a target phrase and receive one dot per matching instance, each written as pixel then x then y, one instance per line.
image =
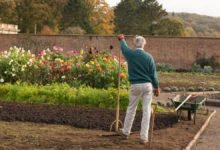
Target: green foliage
pixel 76 13
pixel 28 13
pixel 205 64
pixel 137 16
pixel 63 94
pixel 164 67
pixel 170 26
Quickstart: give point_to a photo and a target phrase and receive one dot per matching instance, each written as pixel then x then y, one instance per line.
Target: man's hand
pixel 121 37
pixel 157 92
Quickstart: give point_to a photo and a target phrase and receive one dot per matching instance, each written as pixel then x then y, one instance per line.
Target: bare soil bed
pixel 20 135
pixel 81 117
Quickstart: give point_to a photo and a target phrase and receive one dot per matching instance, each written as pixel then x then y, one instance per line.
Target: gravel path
pixel 209 140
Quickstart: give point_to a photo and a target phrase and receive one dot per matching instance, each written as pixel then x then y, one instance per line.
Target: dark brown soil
pixel 81 117
pixel 25 136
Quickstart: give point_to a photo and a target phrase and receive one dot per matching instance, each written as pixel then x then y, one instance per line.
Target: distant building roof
pixel 8 28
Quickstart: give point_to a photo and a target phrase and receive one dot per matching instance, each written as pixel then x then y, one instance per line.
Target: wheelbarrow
pixel 188 103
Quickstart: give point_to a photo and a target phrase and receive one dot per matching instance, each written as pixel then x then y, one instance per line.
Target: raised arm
pixel 124 47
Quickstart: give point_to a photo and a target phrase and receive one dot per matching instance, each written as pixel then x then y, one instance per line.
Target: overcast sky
pixel 204 7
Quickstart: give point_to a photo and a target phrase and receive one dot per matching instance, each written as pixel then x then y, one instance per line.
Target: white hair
pixel 139 41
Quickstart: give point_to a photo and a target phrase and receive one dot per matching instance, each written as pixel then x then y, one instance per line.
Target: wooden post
pixel 118 98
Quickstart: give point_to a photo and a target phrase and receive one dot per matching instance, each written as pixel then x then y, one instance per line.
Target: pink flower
pixel 77 65
pixel 70 52
pixel 56 48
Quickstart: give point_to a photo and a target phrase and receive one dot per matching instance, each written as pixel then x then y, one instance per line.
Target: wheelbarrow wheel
pixel 191 115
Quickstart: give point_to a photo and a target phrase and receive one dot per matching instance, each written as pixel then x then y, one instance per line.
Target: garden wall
pixel 180 52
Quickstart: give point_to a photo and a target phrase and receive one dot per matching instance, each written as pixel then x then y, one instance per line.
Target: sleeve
pixel 153 73
pixel 126 51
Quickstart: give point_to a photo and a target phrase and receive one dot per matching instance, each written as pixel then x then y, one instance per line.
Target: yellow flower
pixel 87 65
pixel 81 52
pixel 92 62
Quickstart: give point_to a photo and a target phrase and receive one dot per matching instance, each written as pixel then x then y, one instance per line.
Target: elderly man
pixel 144 82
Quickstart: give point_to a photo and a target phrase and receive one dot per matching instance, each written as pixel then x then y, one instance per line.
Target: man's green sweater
pixel 141 66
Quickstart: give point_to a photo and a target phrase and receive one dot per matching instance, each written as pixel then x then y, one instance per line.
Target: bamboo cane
pixel 118 98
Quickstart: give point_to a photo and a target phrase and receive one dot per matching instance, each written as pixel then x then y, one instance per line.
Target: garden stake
pixel 118 98
pixel 153 111
pixel 117 121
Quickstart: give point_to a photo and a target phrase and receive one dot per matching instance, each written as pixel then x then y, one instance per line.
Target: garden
pixel 79 88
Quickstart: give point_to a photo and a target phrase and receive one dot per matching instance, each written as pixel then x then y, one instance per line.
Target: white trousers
pixel 144 90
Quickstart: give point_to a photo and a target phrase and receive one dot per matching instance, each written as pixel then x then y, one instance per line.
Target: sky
pixel 203 7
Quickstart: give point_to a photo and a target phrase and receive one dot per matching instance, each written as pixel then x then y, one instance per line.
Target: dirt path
pixel 211 137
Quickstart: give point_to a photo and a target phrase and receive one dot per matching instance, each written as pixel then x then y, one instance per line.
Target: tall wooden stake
pixel 118 98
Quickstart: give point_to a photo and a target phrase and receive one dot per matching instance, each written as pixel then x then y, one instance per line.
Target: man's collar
pixel 140 48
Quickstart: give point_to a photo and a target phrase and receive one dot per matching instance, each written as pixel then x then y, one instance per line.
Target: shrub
pixel 205 64
pixel 164 67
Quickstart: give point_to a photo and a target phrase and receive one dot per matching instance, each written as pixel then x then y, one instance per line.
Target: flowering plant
pixel 93 68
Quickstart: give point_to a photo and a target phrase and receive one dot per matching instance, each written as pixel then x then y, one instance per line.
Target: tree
pixel 137 16
pixel 7 13
pixel 76 13
pixel 101 17
pixel 171 27
pixel 28 13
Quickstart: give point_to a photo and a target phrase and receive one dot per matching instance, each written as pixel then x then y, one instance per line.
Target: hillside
pixel 199 25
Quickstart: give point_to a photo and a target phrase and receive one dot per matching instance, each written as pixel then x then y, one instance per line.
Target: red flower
pixel 67 69
pixel 40 53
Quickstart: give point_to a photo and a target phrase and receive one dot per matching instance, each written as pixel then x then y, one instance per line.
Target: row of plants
pixel 64 94
pixel 202 64
pixel 76 67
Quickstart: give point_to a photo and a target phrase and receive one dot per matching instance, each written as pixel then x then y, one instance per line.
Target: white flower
pixel 10 62
pixel 13 75
pixel 5 52
pixel 2 80
pixel 5 72
pixel 22 69
pixel 29 52
pixel 13 69
pixel 44 52
pixel 63 77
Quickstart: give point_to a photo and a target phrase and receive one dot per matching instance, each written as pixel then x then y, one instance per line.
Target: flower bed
pixel 93 68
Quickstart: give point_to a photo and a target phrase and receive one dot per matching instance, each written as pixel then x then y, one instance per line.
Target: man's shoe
pixel 120 132
pixel 143 141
